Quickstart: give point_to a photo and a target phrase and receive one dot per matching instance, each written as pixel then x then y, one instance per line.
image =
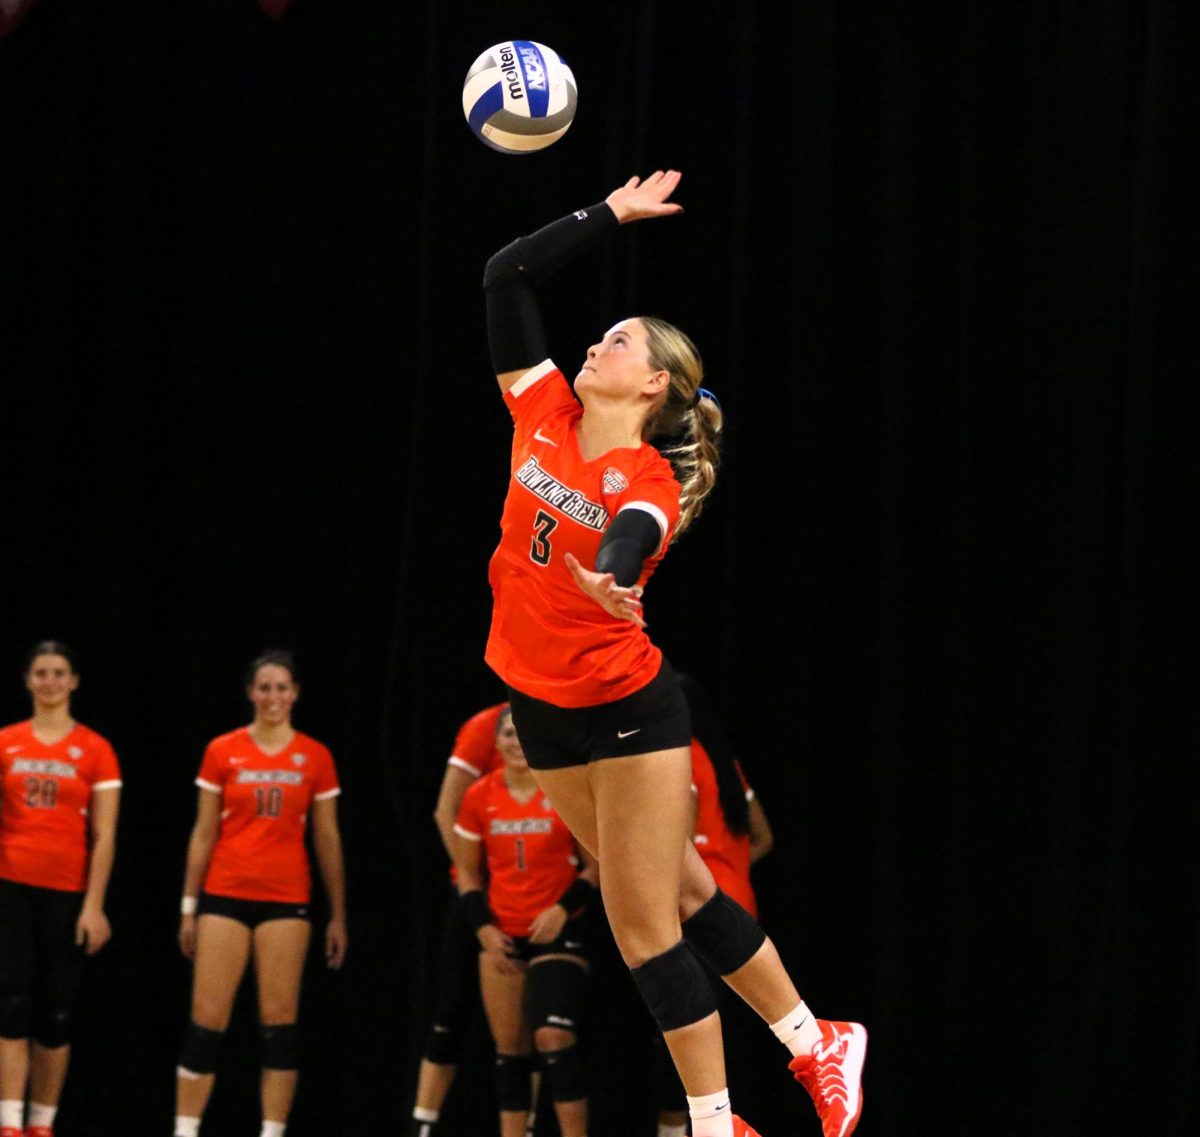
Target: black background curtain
pixel 941 261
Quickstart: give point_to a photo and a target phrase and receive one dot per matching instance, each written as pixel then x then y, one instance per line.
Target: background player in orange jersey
pixel 60 788
pixel 532 966
pixel 474 755
pixel 590 511
pixel 258 785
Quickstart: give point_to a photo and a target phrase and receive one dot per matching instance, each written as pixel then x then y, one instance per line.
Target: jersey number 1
pixel 539 548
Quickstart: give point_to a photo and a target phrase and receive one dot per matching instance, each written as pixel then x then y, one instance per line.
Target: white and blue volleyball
pixel 519 97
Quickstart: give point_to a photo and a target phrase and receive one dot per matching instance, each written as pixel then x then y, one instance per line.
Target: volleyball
pixel 519 97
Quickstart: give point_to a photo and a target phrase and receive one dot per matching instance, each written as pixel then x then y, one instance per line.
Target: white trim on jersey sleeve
pixel 208 786
pixel 652 509
pixel 749 794
pixel 463 764
pixel 114 784
pixel 700 839
pixel 467 833
pixel 695 788
pixel 531 377
pixel 327 794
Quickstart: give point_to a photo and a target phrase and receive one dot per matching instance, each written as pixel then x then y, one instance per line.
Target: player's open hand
pixel 602 587
pixel 497 949
pixel 638 199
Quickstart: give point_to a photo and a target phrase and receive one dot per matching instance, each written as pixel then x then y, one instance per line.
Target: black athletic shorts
pixel 250 912
pixel 654 717
pixel 570 941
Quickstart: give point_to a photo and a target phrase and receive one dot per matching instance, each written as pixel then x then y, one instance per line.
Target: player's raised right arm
pixel 516 336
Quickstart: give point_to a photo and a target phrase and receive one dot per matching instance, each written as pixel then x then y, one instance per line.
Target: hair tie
pixel 704 393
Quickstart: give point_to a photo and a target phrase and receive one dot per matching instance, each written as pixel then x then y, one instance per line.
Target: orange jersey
pixel 529 850
pixel 475 749
pixel 475 745
pixel 265 798
pixel 548 639
pixel 727 856
pixel 45 792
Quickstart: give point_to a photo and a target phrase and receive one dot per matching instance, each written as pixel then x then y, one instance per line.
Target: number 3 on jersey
pixel 539 548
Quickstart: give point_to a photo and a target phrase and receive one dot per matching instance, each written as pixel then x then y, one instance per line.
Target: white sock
pixel 273 1129
pixel 671 1130
pixel 798 1031
pixel 420 1113
pixel 187 1127
pixel 12 1114
pixel 711 1115
pixel 40 1114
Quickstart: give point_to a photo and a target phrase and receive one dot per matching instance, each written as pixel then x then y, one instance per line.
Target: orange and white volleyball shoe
pixel 39 1131
pixel 832 1074
pixel 741 1129
pixel 11 1131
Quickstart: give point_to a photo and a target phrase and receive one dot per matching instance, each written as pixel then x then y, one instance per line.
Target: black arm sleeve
pixel 515 334
pixel 628 541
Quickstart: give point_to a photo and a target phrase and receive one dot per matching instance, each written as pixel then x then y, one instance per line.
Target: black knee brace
pixel 723 933
pixel 675 988
pixel 442 1045
pixel 199 1053
pixel 512 1081
pixel 280 1046
pixel 556 990
pixel 564 1073
pixel 52 1027
pixel 14 1016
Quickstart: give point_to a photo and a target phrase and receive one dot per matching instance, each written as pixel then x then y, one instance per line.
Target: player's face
pixel 619 365
pixel 509 746
pixel 273 694
pixel 50 680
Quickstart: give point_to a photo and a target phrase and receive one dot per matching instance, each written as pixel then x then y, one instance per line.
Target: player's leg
pixel 16 1003
pixel 633 814
pixel 827 1056
pixel 222 949
pixel 556 998
pixel 504 1004
pixel 58 971
pixel 280 946
pixel 457 995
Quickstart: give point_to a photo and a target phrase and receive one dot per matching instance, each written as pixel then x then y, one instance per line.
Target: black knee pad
pixel 556 991
pixel 52 1027
pixel 199 1053
pixel 442 1045
pixel 280 1046
pixel 675 987
pixel 564 1073
pixel 14 1016
pixel 724 934
pixel 512 1081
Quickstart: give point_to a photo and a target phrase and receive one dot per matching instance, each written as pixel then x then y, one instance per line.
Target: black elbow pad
pixel 628 541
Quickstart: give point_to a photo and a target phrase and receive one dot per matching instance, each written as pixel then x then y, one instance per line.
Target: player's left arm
pixel 761 837
pixel 632 537
pixel 92 929
pixel 327 844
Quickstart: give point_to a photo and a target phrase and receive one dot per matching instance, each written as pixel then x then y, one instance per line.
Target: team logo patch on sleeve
pixel 614 481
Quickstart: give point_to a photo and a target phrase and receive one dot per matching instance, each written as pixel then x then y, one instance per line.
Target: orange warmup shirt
pixel 727 856
pixel 529 851
pixel 265 798
pixel 45 792
pixel 475 749
pixel 548 639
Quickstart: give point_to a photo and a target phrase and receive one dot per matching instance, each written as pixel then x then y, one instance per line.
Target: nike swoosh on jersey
pixel 542 438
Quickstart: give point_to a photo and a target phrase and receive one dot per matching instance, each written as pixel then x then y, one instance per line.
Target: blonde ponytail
pixel 685 414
